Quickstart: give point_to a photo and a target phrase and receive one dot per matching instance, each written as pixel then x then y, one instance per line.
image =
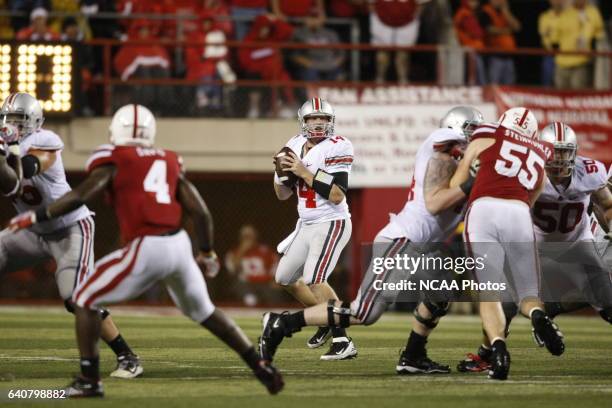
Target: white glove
pixel 210 263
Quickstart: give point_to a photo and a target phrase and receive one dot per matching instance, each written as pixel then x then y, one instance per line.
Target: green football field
pixel 186 366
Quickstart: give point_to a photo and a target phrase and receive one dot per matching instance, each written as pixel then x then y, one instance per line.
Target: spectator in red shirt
pixel 253 264
pixel 298 8
pixel 38 29
pixel 348 8
pixel 144 61
pixel 264 62
pixel 209 62
pixel 471 34
pixel 243 12
pixel 394 23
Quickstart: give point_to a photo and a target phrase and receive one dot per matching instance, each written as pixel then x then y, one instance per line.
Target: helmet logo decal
pixel 522 122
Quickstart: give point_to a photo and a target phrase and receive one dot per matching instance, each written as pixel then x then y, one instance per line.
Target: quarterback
pixel 316 164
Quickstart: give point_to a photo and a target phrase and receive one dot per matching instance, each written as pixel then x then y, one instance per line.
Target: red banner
pixel 588 113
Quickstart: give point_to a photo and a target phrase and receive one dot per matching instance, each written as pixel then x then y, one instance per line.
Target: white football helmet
pixel 521 120
pixel 132 125
pixel 23 111
pixel 463 119
pixel 317 107
pixel 565 143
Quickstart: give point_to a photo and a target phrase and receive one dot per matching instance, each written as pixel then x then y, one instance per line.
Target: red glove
pixel 22 221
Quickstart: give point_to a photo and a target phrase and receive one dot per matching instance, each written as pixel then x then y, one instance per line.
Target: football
pixel 286 177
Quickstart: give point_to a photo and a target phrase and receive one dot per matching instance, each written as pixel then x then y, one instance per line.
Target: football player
pixel 498 224
pixel 430 215
pixel 321 162
pixel 149 192
pixel 560 215
pixel 39 179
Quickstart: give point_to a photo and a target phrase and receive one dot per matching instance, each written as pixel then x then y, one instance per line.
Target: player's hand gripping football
pixel 22 221
pixel 9 134
pixel 293 164
pixel 209 262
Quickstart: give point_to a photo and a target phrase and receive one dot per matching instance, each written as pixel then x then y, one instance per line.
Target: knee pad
pixel 343 312
pixel 437 310
pixel 606 314
pixel 69 305
pixel 104 313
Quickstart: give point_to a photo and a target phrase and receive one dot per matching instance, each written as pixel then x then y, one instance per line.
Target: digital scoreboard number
pixel 42 70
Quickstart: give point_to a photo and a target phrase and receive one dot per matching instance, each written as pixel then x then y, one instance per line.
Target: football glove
pixel 210 262
pixel 10 135
pixel 22 221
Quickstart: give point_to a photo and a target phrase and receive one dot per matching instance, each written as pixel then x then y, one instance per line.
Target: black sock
pixel 90 368
pixel 295 321
pixel 415 347
pixel 338 332
pixel 251 358
pixel 119 346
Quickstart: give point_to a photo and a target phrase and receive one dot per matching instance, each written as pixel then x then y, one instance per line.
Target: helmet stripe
pixel 135 121
pixel 316 103
pixel 558 132
pixel 524 117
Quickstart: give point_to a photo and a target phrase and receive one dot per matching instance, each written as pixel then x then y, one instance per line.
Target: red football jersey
pixel 512 167
pixel 395 13
pixel 143 191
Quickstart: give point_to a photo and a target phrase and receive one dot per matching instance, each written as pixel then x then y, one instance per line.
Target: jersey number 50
pixel 513 165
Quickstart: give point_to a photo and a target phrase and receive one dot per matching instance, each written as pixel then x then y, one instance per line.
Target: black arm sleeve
pixel 30 165
pixel 341 180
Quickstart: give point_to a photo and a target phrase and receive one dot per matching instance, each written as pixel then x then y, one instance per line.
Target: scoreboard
pixel 44 70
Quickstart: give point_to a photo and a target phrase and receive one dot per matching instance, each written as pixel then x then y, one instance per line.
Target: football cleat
pixel 342 348
pixel 475 363
pixel 272 334
pixel 546 333
pixel 128 366
pixel 84 388
pixel 269 376
pixel 419 365
pixel 319 338
pixel 500 361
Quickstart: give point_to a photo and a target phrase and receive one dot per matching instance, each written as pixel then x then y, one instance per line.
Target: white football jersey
pixel 414 221
pixel 560 214
pixel 333 155
pixel 44 188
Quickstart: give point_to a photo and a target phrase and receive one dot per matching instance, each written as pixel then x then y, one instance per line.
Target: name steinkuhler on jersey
pixel 534 142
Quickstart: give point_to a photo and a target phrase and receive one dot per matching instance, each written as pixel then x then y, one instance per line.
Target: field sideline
pixel 186 366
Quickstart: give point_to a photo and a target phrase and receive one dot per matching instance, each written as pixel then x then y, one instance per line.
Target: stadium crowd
pixel 564 25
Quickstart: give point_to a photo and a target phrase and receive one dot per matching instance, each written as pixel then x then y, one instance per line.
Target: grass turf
pixel 186 366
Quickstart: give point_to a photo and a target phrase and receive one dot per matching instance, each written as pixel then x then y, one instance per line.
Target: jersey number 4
pixel 308 193
pixel 513 165
pixel 156 182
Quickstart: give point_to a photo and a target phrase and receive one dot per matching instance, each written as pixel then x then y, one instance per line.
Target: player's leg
pixel 525 269
pixel 74 255
pixel 327 240
pixel 188 290
pixel 289 275
pixel 481 238
pixel 366 309
pixel 119 276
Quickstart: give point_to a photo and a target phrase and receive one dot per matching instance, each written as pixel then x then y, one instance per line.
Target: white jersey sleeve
pixel 45 140
pixel 340 157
